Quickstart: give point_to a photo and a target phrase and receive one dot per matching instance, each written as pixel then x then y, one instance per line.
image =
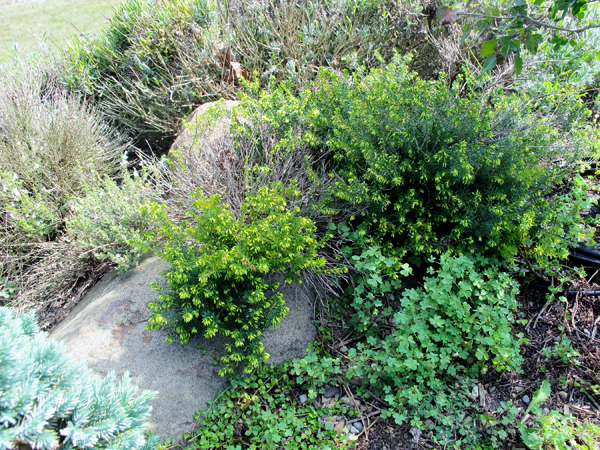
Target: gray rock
pixel 416 433
pixel 107 329
pixel 354 430
pixel 358 426
pixel 303 398
pixel 331 403
pixel 526 399
pixel 332 392
pixel 194 129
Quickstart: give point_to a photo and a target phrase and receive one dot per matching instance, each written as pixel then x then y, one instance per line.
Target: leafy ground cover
pixel 441 211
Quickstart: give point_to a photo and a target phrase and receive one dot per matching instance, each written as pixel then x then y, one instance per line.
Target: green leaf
pixel 466 32
pixel 518 64
pixel 530 437
pixel 488 47
pixel 489 63
pixel 540 396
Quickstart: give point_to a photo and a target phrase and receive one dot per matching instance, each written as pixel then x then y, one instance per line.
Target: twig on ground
pixel 378 399
pixel 366 416
pixel 539 314
pixel 357 407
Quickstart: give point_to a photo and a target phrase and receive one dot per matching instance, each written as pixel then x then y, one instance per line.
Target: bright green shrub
pixel 109 216
pixel 219 262
pixel 433 166
pixel 48 401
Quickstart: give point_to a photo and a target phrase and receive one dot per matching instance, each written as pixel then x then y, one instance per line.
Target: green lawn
pixel 27 22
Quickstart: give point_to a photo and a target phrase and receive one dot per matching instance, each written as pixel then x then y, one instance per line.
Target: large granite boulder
pixel 108 330
pixel 195 130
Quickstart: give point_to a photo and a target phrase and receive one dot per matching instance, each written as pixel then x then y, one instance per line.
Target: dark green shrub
pixel 151 66
pixel 219 262
pixel 48 401
pixel 435 166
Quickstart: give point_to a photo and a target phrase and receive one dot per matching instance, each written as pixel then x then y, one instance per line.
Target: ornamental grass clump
pixel 51 140
pixel 292 40
pixel 218 282
pixel 150 67
pixel 48 401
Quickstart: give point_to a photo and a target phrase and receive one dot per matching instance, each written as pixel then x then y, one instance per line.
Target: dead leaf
pixel 446 15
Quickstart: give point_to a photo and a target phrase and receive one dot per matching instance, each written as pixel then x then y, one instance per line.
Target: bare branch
pixel 532 20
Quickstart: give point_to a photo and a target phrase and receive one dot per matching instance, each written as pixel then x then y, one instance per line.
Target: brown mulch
pixel 56 311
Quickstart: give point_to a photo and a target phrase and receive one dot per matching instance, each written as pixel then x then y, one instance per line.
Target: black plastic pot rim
pixel 570 292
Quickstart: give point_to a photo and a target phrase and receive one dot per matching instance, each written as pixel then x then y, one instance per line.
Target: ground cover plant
pixel 423 202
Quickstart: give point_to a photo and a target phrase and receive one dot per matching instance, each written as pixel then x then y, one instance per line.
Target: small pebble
pixel 303 398
pixel 344 349
pixel 416 434
pixel 339 427
pixel 332 392
pixel 526 399
pixel 563 395
pixel 331 403
pixel 358 426
pixel 353 430
pixel 317 404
